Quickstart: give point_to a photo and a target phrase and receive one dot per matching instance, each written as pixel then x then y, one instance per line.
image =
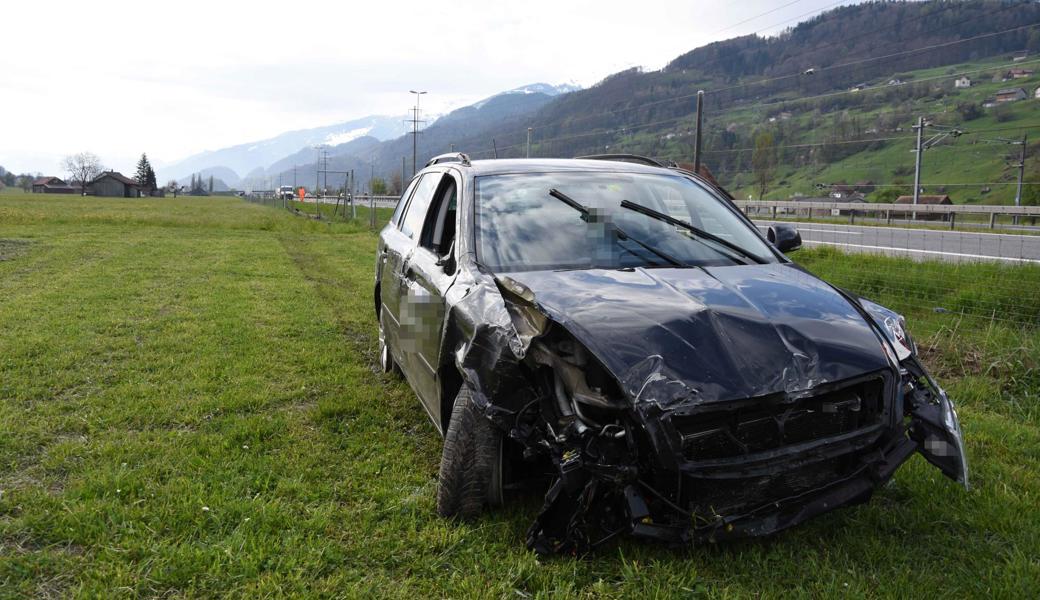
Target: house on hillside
pixel 1019 56
pixel 844 193
pixel 927 200
pixel 1010 95
pixel 1036 94
pixel 115 185
pixel 962 82
pixel 1019 73
pixel 52 185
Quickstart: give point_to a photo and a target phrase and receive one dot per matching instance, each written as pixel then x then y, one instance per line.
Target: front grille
pixel 726 497
pixel 774 422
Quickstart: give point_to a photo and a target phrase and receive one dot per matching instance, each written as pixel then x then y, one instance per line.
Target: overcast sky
pixel 175 78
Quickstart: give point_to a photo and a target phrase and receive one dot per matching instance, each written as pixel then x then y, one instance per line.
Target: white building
pixel 962 82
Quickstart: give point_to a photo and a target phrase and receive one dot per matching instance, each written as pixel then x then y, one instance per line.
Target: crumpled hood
pixel 711 334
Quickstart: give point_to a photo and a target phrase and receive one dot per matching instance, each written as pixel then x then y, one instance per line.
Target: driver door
pixel 428 272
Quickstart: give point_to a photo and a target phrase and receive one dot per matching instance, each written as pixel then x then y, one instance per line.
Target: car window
pixel 415 214
pixel 520 226
pixel 439 230
pixel 396 219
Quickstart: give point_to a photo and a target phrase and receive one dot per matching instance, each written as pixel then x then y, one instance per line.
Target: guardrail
pixel 885 212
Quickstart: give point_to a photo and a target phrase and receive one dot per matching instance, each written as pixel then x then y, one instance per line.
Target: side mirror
pixel 785 237
pixel 447 262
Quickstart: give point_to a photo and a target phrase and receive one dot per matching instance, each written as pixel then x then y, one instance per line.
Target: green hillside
pixel 872 140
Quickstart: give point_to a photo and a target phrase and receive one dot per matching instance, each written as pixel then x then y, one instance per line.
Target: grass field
pixel 189 408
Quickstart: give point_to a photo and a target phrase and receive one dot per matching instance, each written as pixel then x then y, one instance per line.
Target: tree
pixel 396 185
pixel 969 111
pixel 763 162
pixel 145 175
pixel 25 181
pixel 82 167
pixel 210 187
pixel 172 187
pixel 378 186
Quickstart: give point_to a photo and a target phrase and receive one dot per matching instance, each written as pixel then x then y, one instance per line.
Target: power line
pixel 749 19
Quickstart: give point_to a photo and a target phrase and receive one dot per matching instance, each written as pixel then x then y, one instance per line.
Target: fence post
pixel 953 220
pixel 888 217
pixel 992 220
pixel 372 210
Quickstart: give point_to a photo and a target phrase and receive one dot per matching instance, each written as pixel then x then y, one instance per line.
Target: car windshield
pixel 521 227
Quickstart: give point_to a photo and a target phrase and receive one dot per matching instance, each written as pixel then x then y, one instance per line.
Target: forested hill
pixel 843 47
pixel 865 31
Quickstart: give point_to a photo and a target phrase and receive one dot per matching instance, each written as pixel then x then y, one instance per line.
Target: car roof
pixel 501 166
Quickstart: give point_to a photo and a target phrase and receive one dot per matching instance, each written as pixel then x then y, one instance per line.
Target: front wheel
pixel 471 465
pixel 386 358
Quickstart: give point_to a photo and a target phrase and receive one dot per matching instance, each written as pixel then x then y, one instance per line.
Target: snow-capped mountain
pixel 246 158
pixel 534 88
pixel 252 163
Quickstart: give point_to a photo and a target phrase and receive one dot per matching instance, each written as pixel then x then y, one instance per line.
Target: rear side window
pixel 396 220
pixel 415 214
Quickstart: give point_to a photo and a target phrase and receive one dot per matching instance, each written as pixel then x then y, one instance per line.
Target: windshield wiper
pixel 700 233
pixel 571 202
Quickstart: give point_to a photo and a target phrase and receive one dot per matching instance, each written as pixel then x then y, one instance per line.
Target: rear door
pixel 428 273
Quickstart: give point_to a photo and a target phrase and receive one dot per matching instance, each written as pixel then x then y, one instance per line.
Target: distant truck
pixel 286 192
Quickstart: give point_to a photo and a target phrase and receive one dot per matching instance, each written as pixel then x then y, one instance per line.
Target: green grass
pixel 189 407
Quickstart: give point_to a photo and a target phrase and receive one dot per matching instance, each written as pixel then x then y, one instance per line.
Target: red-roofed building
pixel 52 185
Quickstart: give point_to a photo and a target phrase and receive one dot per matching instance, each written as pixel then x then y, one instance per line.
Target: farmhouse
pixel 1010 95
pixel 962 82
pixel 930 200
pixel 52 185
pixel 113 184
pixel 1019 73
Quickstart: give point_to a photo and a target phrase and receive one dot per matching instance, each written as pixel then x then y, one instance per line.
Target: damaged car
pixel 618 330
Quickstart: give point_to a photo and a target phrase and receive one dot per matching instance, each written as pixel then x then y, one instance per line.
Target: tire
pixel 471 465
pixel 386 358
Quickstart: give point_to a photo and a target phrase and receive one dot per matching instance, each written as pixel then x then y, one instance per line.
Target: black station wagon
pixel 618 330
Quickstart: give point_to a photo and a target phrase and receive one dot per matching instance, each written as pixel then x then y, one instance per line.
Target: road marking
pixel 933 252
pixel 909 229
pixel 822 230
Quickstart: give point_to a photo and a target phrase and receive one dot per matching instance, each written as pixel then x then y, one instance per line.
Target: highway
pixel 919 244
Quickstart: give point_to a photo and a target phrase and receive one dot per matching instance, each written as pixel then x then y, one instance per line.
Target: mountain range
pixel 254 164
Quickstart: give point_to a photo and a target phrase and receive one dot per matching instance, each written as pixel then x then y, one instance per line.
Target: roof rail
pixel 632 158
pixel 459 157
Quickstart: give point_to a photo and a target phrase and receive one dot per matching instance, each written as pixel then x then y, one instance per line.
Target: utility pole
pixel 528 142
pixel 697 136
pixel 919 152
pixel 371 197
pixel 1021 170
pixel 415 127
pixel 404 176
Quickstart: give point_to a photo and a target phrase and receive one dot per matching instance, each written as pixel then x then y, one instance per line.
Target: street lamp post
pixel 415 127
